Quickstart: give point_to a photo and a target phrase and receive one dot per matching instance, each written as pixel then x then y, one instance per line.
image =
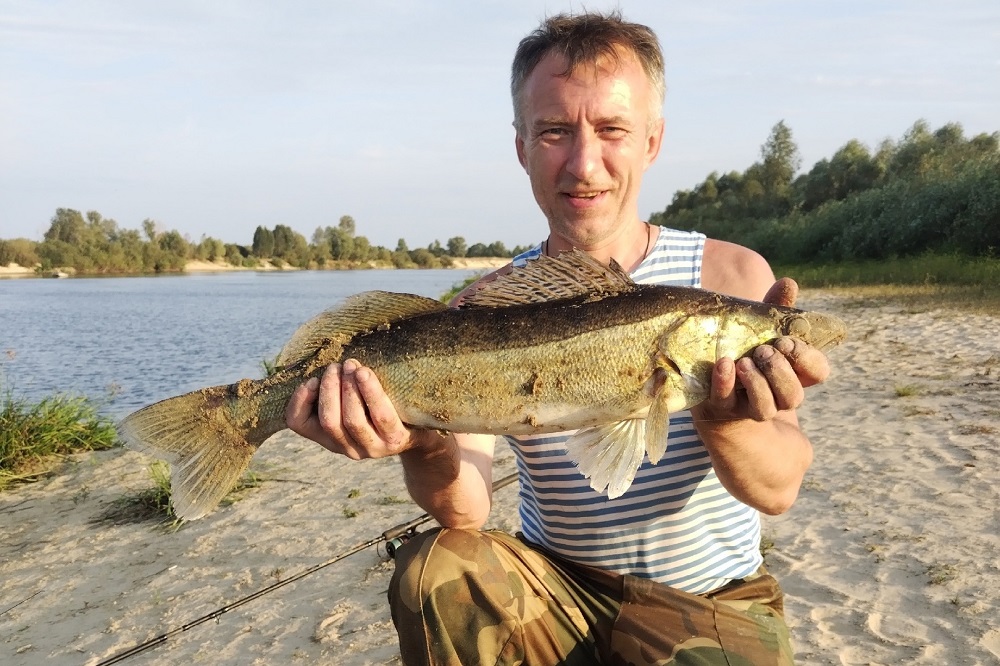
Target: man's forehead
pixel 620 61
pixel 551 82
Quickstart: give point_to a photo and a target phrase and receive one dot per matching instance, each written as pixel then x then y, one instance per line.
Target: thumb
pixel 783 292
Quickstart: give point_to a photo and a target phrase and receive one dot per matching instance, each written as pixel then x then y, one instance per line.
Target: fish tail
pixel 203 438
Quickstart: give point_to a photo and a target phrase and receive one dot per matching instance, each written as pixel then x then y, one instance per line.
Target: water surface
pixel 131 341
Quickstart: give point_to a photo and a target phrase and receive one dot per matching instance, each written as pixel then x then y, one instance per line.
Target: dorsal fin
pixel 362 312
pixel 570 274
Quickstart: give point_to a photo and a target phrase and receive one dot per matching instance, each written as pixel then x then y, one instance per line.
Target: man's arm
pixel 347 411
pixel 748 424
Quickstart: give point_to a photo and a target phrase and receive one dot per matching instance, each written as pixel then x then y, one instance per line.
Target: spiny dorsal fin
pixel 571 274
pixel 362 312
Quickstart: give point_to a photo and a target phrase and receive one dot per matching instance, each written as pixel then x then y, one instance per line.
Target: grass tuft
pixel 35 435
pixel 908 390
pixel 153 503
pixel 457 288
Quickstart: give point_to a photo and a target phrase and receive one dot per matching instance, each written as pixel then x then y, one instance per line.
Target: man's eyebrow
pixel 553 121
pixel 550 122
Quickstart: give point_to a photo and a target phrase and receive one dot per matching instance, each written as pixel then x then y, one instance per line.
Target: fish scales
pixel 510 362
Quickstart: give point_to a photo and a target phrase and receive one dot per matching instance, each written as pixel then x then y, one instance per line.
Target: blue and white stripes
pixel 676 524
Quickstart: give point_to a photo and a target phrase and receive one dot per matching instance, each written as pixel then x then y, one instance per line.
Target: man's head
pixel 588 93
pixel 587 39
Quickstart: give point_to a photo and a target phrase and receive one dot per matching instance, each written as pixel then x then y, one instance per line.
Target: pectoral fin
pixel 658 425
pixel 609 455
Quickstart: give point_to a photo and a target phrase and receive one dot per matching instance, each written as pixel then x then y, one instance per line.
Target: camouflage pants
pixel 467 597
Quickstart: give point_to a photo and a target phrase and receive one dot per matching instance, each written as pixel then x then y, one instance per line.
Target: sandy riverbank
pixel 16 270
pixel 474 263
pixel 888 557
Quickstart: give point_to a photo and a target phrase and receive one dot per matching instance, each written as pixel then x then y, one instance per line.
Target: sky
pixel 213 118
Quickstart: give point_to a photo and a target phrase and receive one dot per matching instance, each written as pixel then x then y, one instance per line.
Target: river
pixel 127 342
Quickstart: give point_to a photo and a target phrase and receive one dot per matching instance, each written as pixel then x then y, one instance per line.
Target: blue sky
pixel 216 117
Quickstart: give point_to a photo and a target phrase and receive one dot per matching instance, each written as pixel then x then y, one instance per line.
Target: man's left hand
pixel 771 379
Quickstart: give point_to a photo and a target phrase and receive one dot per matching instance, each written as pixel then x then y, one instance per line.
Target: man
pixel 671 571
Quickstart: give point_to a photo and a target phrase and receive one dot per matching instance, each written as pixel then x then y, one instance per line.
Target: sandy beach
pixel 890 555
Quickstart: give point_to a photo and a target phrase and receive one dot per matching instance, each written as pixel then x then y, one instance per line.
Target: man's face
pixel 585 144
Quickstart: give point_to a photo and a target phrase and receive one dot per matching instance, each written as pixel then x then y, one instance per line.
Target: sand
pixel 197 266
pixel 890 556
pixel 13 270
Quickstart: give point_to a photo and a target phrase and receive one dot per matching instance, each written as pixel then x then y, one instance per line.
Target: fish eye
pixel 798 326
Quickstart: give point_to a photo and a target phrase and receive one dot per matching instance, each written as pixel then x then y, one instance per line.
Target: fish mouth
pixel 824 331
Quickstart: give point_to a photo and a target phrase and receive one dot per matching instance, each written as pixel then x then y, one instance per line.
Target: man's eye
pixel 614 132
pixel 553 132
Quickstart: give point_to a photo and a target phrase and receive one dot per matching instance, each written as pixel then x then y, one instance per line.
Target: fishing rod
pixel 394 537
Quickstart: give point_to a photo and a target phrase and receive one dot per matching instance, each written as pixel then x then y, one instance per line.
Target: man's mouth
pixel 583 196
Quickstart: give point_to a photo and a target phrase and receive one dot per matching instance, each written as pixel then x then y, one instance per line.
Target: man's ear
pixel 653 142
pixel 519 147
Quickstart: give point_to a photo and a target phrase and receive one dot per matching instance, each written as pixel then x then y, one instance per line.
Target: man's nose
pixel 585 155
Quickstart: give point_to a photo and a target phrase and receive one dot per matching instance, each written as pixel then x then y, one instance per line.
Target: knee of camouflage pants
pixel 470 597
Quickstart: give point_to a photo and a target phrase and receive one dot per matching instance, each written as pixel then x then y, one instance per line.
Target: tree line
pixel 931 191
pixel 92 244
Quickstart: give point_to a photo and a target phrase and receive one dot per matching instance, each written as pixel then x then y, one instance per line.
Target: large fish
pixel 560 344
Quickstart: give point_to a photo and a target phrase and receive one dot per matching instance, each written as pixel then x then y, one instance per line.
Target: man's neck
pixel 628 248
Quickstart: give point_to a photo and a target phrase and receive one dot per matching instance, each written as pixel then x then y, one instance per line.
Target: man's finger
pixel 300 407
pixel 381 411
pixel 357 428
pixel 302 417
pixel 783 292
pixel 760 400
pixel 785 386
pixel 809 364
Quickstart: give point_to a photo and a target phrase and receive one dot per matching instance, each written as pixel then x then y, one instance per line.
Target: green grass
pixel 153 503
pixel 35 435
pixel 270 365
pixel 459 286
pixel 925 282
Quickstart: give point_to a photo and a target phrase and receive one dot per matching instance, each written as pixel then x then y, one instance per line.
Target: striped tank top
pixel 676 524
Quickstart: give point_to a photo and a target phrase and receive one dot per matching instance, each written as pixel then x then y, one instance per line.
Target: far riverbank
pixel 460 263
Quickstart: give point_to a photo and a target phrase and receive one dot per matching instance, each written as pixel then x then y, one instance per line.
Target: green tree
pixel 456 246
pixel 67 226
pixel 497 249
pixel 284 240
pixel 780 161
pixel 320 246
pixel 149 228
pixel 20 251
pixel 347 225
pixel 477 250
pixel 263 242
pixel 361 250
pixel 436 248
pixel 341 244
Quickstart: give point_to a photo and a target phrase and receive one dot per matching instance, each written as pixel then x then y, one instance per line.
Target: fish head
pixel 822 331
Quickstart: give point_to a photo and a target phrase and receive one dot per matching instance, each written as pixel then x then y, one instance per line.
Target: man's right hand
pixel 348 412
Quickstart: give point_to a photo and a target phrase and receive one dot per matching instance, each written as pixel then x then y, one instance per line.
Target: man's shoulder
pixel 735 270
